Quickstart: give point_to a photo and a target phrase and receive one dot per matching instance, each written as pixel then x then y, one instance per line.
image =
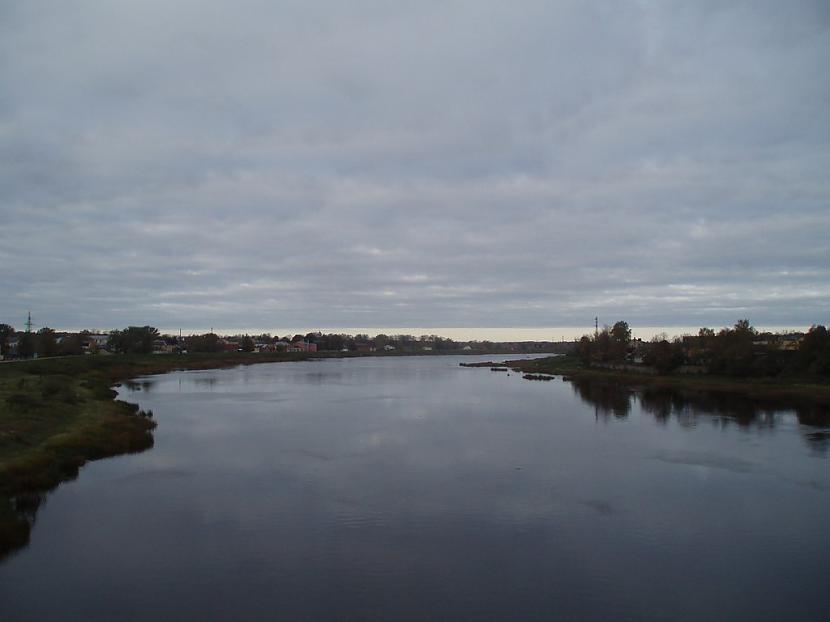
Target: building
pixel 302 346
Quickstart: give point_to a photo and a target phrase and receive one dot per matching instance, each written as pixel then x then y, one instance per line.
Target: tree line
pixel 44 342
pixel 739 351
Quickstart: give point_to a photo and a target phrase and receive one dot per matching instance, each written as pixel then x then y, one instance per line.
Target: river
pixel 409 488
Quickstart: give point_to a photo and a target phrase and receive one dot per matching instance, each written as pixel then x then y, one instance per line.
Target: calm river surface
pixel 414 489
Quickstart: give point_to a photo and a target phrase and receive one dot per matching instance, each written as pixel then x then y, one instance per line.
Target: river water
pixel 409 488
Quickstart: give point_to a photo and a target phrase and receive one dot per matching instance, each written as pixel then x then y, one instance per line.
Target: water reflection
pixel 687 407
pixel 17 517
pixel 145 384
pixel 608 399
pixel 18 512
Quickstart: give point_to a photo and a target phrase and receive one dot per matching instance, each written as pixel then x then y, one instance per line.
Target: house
pixel 302 346
pixel 161 346
pixel 94 342
pixel 11 350
pixel 791 341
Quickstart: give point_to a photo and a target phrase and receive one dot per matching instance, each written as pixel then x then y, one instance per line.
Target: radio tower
pixel 29 323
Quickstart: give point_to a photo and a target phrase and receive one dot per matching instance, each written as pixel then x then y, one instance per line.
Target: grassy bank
pixel 57 414
pixel 797 390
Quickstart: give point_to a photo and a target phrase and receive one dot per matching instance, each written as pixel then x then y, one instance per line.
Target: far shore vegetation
pixel 739 360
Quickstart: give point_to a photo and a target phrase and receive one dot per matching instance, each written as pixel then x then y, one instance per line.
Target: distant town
pixel 46 342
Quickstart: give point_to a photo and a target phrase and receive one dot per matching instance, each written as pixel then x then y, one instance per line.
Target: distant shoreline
pixel 799 389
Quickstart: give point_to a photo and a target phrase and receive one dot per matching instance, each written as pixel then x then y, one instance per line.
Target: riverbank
pixel 57 414
pixel 797 390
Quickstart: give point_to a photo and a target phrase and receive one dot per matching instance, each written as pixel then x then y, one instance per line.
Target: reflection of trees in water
pixel 17 517
pixel 18 512
pixel 140 385
pixel 687 407
pixel 607 398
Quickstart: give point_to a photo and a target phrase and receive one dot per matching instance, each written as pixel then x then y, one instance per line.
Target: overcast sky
pixel 467 163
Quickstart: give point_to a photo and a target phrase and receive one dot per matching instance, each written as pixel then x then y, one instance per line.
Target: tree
pixel 47 344
pixel 732 352
pixel 609 344
pixel 744 327
pixel 620 338
pixel 621 333
pixel 602 343
pixel 814 351
pixel 6 333
pixel 133 339
pixel 26 346
pixel 209 342
pixel 664 356
pixel 71 345
pixel 247 344
pixel 585 349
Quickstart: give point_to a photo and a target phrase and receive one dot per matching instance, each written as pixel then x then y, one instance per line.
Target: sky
pixel 471 164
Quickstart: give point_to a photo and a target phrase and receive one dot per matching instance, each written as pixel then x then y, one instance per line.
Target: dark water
pixel 413 489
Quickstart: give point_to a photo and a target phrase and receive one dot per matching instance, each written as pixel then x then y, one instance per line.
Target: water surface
pixel 410 488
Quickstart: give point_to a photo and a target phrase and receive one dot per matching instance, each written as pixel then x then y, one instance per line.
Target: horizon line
pixel 458 333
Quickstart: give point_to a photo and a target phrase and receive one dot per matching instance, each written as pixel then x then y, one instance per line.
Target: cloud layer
pixel 453 163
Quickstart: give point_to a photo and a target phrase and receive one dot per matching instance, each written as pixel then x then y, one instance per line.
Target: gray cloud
pixel 372 163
